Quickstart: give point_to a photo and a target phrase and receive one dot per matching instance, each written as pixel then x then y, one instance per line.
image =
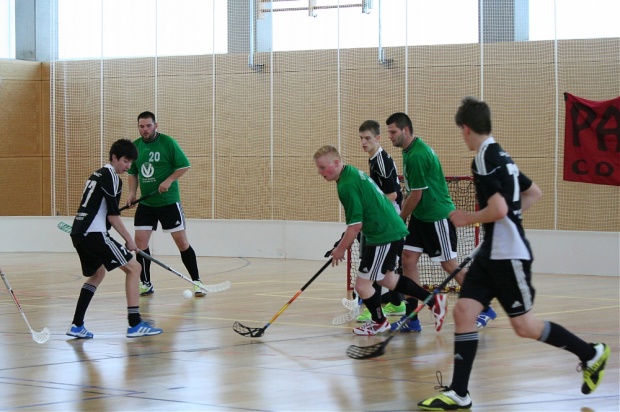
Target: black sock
pixel 145 264
pixel 396 298
pixel 86 294
pixel 133 315
pixel 465 347
pixel 409 287
pixel 556 335
pixel 373 304
pixel 188 256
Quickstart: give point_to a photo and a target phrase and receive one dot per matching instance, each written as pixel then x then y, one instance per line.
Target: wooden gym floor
pixel 200 364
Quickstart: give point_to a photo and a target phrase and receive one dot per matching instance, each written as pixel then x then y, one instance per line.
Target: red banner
pixel 592 141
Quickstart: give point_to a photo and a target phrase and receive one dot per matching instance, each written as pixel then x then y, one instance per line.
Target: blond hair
pixel 327 150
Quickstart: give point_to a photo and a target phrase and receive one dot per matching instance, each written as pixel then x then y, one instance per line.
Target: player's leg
pixel 395 305
pixel 365 315
pixel 137 327
pixel 77 328
pixel 592 356
pixel 415 245
pixel 145 221
pixel 88 250
pixel 406 286
pixel 173 221
pixel 476 288
pixel 375 261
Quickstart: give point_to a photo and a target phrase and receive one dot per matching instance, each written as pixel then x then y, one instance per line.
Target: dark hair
pixel 474 114
pixel 124 148
pixel 370 126
pixel 401 120
pixel 147 115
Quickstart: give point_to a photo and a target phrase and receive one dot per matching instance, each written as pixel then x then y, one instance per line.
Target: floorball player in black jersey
pixel 502 267
pixel 98 251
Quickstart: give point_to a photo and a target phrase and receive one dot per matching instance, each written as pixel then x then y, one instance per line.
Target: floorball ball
pixel 187 294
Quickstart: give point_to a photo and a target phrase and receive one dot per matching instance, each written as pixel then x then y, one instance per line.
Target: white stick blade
pixel 41 337
pixel 219 287
pixel 350 304
pixel 347 317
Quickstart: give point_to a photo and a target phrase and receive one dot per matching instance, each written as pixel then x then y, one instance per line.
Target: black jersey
pixel 383 172
pixel 100 198
pixel 495 172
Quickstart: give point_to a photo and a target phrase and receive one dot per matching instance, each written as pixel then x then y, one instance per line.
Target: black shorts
pixel 171 216
pixel 96 249
pixel 377 260
pixel 510 281
pixel 436 239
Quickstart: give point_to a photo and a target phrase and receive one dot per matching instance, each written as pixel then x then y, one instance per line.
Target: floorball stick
pixel 220 287
pixel 347 317
pixel 39 337
pixel 138 200
pixel 258 332
pixel 67 228
pixel 378 349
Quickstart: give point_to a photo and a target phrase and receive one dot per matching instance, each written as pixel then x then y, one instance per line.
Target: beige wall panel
pixel 46 187
pixel 584 206
pixel 598 81
pixel 439 56
pixel 171 66
pixel 519 53
pixel 20 118
pixel 187 112
pixel 197 189
pixel 305 118
pixel 303 61
pixel 242 116
pixel 124 100
pixel 588 51
pixel 46 68
pixel 523 104
pixel 242 195
pixel 69 70
pixel 44 136
pixel 21 186
pixel 372 94
pixel 435 93
pixel 19 70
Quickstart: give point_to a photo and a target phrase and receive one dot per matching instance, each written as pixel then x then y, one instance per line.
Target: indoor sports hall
pixel 250 90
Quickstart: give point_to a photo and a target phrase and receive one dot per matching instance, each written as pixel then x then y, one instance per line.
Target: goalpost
pixel 463 195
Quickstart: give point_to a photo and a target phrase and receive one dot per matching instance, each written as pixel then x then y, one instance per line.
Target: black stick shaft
pixel 139 200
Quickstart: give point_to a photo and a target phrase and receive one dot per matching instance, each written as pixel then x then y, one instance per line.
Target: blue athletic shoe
pixel 79 332
pixel 411 325
pixel 144 328
pixel 485 316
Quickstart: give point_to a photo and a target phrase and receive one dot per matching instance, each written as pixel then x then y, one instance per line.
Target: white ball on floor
pixel 187 294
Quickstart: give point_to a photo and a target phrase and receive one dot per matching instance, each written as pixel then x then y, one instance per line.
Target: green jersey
pixel 365 203
pixel 422 170
pixel 156 161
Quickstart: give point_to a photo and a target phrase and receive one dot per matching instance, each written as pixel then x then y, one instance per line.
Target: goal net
pixel 462 191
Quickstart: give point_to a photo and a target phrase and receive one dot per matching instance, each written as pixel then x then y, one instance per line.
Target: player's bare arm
pixel 411 203
pixel 345 243
pixel 119 226
pixel 496 209
pixel 530 197
pixel 392 196
pixel 165 185
pixel 133 190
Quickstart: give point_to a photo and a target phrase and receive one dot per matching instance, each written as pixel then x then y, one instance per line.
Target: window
pixel 402 22
pixel 118 28
pixel 7 33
